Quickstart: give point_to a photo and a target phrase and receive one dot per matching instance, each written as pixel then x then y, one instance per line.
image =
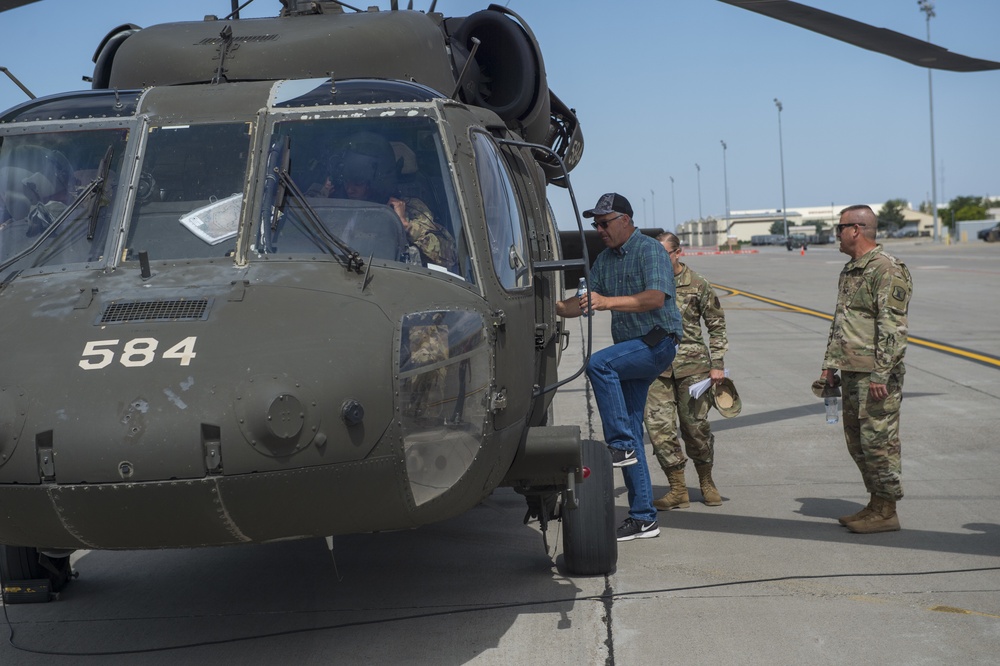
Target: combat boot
pixel 843 520
pixel 677 498
pixel 710 494
pixel 882 518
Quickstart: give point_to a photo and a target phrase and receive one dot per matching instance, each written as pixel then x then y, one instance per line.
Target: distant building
pixel 744 224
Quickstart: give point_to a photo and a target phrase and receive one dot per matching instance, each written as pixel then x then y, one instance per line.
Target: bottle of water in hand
pixel 832 403
pixel 582 290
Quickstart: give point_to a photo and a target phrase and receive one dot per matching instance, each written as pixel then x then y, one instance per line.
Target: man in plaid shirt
pixel 633 279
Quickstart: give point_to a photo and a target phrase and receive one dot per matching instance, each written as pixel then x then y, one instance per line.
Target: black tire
pixel 590 547
pixel 22 563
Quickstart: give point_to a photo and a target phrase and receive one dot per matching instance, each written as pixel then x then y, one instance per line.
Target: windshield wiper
pixel 87 191
pixel 102 177
pixel 277 184
pixel 316 226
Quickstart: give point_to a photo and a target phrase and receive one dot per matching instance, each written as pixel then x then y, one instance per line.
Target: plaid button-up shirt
pixel 638 265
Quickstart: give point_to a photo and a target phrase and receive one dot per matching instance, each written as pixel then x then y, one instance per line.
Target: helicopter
pixel 223 341
pixel 220 341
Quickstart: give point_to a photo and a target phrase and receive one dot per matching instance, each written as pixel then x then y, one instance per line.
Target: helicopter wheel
pixel 25 563
pixel 589 544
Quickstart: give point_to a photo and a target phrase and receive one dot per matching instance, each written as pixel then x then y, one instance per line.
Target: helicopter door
pixel 503 193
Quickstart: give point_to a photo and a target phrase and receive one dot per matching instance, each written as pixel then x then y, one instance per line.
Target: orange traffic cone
pixel 803 251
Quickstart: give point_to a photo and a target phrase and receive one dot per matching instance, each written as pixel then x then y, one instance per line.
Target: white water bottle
pixel 832 403
pixel 582 290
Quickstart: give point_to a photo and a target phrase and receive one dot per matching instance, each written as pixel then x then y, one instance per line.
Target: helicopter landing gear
pixel 589 544
pixel 29 576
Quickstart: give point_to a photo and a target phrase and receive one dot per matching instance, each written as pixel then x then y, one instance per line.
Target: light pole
pixel 781 154
pixel 725 184
pixel 644 209
pixel 652 198
pixel 698 167
pixel 928 8
pixel 673 201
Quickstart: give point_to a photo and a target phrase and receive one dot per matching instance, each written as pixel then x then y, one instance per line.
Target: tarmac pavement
pixel 769 577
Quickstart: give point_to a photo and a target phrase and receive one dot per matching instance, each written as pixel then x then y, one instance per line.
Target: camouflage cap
pixel 611 202
pixel 726 399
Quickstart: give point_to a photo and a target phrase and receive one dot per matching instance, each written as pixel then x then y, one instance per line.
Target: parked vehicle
pixel 990 234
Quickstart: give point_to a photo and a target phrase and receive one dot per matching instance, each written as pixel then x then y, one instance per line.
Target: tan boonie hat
pixel 726 399
pixel 823 390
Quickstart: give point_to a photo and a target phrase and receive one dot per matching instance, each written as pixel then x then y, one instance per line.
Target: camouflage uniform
pixel 668 399
pixel 428 345
pixel 867 343
pixel 436 245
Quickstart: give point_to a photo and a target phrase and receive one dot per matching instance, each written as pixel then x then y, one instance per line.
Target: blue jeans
pixel 621 375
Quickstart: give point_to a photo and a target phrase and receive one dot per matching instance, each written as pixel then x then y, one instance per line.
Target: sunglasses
pixel 603 224
pixel 841 227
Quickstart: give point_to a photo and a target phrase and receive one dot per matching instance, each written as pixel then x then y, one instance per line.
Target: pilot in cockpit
pixel 367 169
pixel 35 186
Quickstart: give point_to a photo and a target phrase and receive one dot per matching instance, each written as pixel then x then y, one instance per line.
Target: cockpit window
pixel 379 185
pixel 55 194
pixel 508 242
pixel 190 192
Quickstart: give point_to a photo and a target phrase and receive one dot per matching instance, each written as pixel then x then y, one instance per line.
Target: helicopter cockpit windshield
pixel 380 185
pixel 194 175
pixel 55 191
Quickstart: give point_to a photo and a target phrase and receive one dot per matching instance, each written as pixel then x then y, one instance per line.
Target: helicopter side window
pixel 378 184
pixel 504 224
pixel 190 192
pixel 55 191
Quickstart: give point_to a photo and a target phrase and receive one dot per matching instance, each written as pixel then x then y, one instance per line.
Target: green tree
pixel 778 227
pixel 890 217
pixel 965 208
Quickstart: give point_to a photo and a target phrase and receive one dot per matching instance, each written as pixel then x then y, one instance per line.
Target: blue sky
pixel 657 84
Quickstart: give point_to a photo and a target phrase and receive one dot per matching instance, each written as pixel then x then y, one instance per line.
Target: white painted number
pixel 136 353
pixel 105 355
pixel 183 350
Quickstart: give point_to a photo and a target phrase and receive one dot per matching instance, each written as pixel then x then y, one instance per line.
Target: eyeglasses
pixel 603 224
pixel 841 227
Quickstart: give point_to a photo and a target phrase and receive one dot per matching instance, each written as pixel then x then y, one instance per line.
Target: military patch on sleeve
pixel 899 292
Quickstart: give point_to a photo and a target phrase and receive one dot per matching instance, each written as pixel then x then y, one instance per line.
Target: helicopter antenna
pixel 227 41
pixel 235 14
pixel 461 77
pixel 20 85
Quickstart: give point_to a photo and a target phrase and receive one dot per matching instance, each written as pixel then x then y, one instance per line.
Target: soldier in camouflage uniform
pixel 428 345
pixel 669 400
pixel 867 343
pixel 436 245
pixel 367 169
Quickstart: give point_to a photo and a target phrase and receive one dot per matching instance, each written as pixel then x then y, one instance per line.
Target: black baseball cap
pixel 612 202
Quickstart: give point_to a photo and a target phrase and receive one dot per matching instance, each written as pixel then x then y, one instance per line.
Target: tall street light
pixel 673 201
pixel 698 167
pixel 652 197
pixel 725 184
pixel 781 154
pixel 928 8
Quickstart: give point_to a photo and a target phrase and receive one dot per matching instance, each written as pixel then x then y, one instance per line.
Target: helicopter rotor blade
pixel 880 40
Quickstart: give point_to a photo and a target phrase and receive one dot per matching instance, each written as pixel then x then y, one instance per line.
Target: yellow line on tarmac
pixel 969 354
pixel 960 611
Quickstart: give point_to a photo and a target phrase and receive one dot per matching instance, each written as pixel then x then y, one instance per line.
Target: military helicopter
pixel 268 281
